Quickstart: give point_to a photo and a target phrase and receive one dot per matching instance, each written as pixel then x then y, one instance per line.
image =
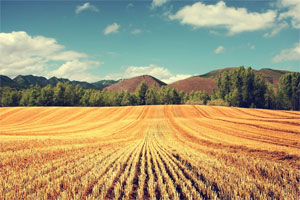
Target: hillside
pixel 195 83
pixel 26 81
pixel 270 75
pixel 202 82
pixel 5 81
pixel 131 84
pixel 208 81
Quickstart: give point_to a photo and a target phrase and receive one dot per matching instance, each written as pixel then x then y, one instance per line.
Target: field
pixel 149 152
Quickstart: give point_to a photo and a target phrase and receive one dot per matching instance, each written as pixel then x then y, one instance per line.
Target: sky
pixel 170 40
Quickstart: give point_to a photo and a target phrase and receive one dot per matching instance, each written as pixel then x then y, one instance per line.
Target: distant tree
pixel 259 92
pixel 34 95
pixel 58 96
pixel 151 97
pixel 164 96
pixel 95 99
pixel 199 96
pixel 174 96
pixel 10 97
pixel 247 87
pixel 224 84
pixel 118 97
pixel 270 99
pixel 181 96
pixel 78 93
pixel 290 90
pixel 141 93
pixel 127 99
pixel 25 98
pixel 69 94
pixel 242 88
pixel 46 97
pixel 85 99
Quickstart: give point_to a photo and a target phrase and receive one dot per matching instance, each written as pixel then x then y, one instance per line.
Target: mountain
pixel 5 81
pixel 195 83
pixel 270 75
pixel 132 84
pixel 103 83
pixel 208 81
pixel 27 80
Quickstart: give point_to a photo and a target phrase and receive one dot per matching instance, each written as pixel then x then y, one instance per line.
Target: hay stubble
pixel 149 152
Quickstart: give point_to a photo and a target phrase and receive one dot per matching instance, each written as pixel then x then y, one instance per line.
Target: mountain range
pixel 206 81
pixel 22 82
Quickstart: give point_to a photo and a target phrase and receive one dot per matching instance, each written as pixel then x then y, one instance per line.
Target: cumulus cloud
pixel 276 30
pixel 112 28
pixel 24 54
pixel 86 6
pixel 235 20
pixel 156 71
pixel 136 31
pixel 158 3
pixel 291 54
pixel 219 50
pixel 76 70
pixel 293 8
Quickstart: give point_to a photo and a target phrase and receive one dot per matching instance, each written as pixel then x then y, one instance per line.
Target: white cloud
pixel 158 3
pixel 76 70
pixel 156 71
pixel 111 53
pixel 86 6
pixel 23 54
pixel 235 20
pixel 219 50
pixel 214 32
pixel 129 5
pixel 112 28
pixel 276 30
pixel 67 55
pixel 293 11
pixel 291 54
pixel 251 46
pixel 136 31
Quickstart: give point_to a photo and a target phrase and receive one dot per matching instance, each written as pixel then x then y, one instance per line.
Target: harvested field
pixel 149 152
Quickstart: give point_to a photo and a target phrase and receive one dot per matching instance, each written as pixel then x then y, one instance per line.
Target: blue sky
pixel 171 40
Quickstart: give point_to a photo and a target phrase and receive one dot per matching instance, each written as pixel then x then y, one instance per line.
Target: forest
pixel 238 88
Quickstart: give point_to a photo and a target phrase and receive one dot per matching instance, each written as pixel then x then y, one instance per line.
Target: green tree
pixel 127 99
pixel 151 97
pixel 58 96
pixel 270 99
pixel 96 99
pixel 10 97
pixel 259 92
pixel 46 97
pixel 290 90
pixel 242 88
pixel 85 99
pixel 141 93
pixel 69 94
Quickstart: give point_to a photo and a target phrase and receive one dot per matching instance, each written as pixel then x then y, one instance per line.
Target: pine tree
pixel 141 93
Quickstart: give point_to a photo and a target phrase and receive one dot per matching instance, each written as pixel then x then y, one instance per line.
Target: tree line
pixel 240 88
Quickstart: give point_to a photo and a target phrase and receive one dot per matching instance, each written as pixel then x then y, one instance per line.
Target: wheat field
pixel 149 152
